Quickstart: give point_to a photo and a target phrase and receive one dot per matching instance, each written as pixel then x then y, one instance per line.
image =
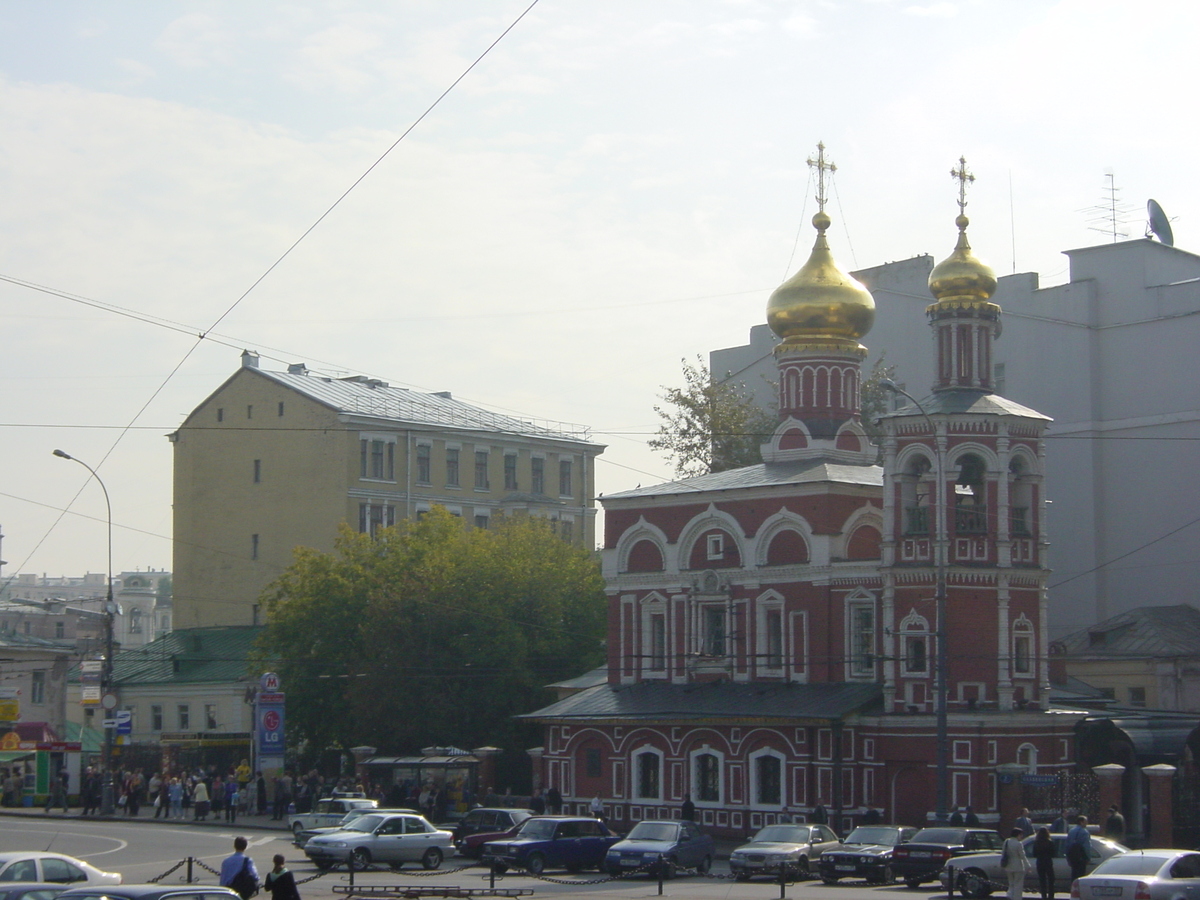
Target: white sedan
pixel 52 867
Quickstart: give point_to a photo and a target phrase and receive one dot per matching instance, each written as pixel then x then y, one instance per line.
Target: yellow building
pixel 275 460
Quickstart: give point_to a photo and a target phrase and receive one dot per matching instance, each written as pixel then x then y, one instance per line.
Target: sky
pixel 615 187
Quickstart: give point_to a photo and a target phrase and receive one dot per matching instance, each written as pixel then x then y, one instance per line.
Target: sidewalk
pixel 146 816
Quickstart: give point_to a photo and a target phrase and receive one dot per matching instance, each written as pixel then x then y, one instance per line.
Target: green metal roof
pixel 188 656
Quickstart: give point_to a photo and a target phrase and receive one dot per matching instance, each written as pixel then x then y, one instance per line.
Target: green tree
pixel 876 400
pixel 710 425
pixel 433 633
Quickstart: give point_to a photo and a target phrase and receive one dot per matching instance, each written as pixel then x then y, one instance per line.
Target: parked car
pixel 792 849
pixel 978 874
pixel 328 811
pixel 672 845
pixel 1142 875
pixel 30 890
pixel 552 842
pixel 52 867
pixel 922 858
pixel 152 892
pixel 392 839
pixel 865 853
pixel 300 838
pixel 484 819
pixel 472 845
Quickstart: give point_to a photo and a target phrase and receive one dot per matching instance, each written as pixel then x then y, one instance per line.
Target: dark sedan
pixel 552 842
pixel 30 890
pixel 922 858
pixel 866 853
pixel 485 824
pixel 671 845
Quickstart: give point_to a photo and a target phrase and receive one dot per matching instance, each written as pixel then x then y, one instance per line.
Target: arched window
pixel 970 498
pixel 1020 499
pixel 706 777
pixel 135 621
pixel 1022 646
pixel 647 769
pixel 766 776
pixel 916 496
pixel 787 548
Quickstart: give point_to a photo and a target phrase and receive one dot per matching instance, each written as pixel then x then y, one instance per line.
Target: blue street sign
pixel 124 719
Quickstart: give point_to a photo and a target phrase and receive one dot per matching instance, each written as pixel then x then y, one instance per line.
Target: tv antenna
pixel 1159 225
pixel 1109 216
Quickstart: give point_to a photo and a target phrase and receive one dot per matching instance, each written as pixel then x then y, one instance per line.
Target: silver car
pixel 390 839
pixel 979 874
pixel 1142 875
pixel 792 850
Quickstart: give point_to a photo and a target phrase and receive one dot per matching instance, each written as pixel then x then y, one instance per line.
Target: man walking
pixel 238 872
pixel 1078 848
pixel 1024 823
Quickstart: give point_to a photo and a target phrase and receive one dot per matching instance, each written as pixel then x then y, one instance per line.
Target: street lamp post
pixel 106 797
pixel 943 725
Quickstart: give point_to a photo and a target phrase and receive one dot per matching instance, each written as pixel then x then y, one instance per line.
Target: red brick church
pixel 772 630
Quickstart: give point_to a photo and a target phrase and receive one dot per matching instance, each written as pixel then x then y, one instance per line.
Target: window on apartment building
pixel 220 415
pixel 714 631
pixel 510 472
pixel 1137 696
pixel 649 767
pixel 774 658
pixel 715 546
pixel 708 778
pixel 768 784
pixel 257 471
pixel 37 687
pixel 156 717
pixel 451 467
pixel 424 468
pixel 375 515
pixel 658 642
pixel 184 717
pixel 862 640
pixel 377 459
pixel 281 409
pixel 537 475
pixel 60 629
pixel 210 717
pixel 564 477
pixel 481 470
pixel 254 546
pixel 592 762
pixel 481 522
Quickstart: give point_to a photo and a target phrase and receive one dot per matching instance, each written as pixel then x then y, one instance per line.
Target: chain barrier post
pixel 189 871
pixel 661 867
pixel 782 881
pixel 492 871
pixel 949 881
pixel 350 866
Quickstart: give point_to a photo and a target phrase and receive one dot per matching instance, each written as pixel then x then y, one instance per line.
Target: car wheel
pixel 886 876
pixel 432 858
pixel 913 883
pixel 296 829
pixel 536 864
pixel 973 884
pixel 704 865
pixel 361 857
pixel 802 867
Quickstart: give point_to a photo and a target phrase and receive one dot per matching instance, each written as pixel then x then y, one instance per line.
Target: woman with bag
pixel 1015 864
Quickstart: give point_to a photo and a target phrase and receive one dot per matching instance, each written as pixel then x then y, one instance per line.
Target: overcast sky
pixel 617 185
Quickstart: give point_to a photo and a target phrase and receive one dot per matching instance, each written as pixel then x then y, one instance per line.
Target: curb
pixel 42 815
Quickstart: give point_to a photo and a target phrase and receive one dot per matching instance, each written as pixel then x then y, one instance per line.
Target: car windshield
pixel 783 834
pixel 653 831
pixel 537 829
pixel 351 816
pixel 365 823
pixel 939 836
pixel 868 835
pixel 1130 864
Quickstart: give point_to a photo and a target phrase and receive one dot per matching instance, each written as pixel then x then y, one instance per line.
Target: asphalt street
pixel 145 849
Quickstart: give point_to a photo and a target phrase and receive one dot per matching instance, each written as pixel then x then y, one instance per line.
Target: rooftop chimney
pixel 249 359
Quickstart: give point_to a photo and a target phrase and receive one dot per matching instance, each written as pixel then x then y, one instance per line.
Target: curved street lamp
pixel 106 797
pixel 943 725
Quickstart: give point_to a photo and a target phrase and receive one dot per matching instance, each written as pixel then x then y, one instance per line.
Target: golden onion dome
pixel 960 276
pixel 821 301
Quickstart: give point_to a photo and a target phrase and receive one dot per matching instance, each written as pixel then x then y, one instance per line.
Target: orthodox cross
pixel 822 167
pixel 963 177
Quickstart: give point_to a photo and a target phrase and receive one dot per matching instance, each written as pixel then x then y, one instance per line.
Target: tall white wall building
pixel 1111 355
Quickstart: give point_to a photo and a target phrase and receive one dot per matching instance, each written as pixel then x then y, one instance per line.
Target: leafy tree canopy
pixel 432 633
pixel 710 425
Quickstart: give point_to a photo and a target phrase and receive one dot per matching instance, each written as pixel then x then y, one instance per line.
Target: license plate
pixel 844 868
pixel 631 862
pixel 921 854
pixel 1103 891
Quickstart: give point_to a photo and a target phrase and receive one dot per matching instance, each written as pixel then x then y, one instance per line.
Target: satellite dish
pixel 1159 224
